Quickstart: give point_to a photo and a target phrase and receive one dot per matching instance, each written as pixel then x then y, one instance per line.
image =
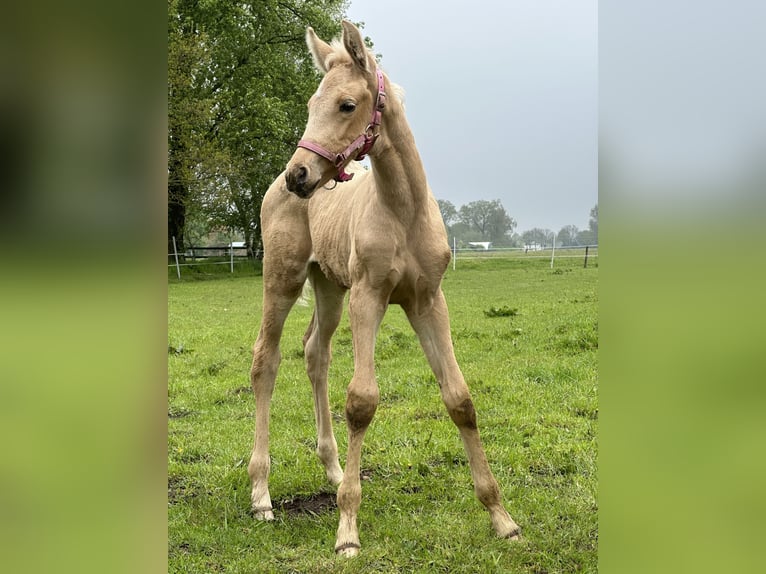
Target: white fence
pixel 584 252
pixel 201 253
pixel 238 254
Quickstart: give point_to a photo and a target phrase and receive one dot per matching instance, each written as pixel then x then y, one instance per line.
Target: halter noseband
pixel 361 144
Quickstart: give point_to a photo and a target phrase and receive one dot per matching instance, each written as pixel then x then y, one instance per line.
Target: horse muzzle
pixel 299 181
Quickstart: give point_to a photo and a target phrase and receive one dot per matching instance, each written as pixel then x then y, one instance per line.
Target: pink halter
pixel 363 144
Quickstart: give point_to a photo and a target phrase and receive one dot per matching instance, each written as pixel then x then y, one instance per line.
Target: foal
pixel 379 235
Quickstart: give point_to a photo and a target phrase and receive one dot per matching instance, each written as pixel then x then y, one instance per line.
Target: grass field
pixel 526 337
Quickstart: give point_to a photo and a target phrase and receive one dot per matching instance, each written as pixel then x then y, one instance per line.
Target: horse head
pixel 344 112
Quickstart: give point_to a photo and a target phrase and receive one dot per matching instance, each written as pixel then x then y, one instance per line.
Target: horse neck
pixel 399 174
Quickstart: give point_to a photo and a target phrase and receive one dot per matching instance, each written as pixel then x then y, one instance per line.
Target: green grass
pixel 533 375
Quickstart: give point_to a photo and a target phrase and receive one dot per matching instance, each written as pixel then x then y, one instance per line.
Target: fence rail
pixel 199 255
pixel 584 252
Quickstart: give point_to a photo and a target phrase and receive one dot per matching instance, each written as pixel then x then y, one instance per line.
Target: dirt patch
pixel 179 490
pixel 313 504
pixel 178 412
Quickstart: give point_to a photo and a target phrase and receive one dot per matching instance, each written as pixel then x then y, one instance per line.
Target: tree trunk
pixel 178 193
pixel 176 218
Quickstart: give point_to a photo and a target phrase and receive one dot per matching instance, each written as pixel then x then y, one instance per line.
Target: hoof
pixel 503 525
pixel 347 550
pixel 263 514
pixel 514 535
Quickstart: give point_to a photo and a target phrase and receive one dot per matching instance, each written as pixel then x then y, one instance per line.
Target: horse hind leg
pixel 317 348
pixel 278 299
pixel 433 330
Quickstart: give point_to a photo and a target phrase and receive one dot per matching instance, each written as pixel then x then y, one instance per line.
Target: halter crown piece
pixel 361 146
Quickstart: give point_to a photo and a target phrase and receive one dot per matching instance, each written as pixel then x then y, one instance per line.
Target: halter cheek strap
pixel 361 146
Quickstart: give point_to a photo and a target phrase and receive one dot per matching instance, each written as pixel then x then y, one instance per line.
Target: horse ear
pixel 319 50
pixel 354 43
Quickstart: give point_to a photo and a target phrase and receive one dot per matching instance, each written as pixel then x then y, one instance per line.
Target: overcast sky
pixel 502 97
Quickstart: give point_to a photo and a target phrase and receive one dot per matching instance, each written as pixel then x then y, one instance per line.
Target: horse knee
pixel 461 411
pixel 361 404
pixel 258 467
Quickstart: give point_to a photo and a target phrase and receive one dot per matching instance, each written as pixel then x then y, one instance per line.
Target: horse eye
pixel 347 107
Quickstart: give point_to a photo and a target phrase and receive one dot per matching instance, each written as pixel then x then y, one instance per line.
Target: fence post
pixel 553 251
pixel 231 255
pixel 585 265
pixel 175 252
pixel 454 252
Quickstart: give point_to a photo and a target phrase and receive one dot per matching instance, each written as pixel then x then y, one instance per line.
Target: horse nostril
pixel 296 178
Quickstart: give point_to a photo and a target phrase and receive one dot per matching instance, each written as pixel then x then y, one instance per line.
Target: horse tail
pixel 306 294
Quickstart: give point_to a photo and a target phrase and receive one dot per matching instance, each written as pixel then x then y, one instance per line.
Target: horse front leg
pixel 263 373
pixel 366 310
pixel 432 328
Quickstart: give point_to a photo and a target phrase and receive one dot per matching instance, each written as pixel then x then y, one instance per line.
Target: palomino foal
pixel 379 235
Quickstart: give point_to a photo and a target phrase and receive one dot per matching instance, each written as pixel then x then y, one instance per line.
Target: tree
pixel 488 219
pixel 448 211
pixel 567 235
pixel 590 236
pixel 239 76
pixel 188 114
pixel 593 223
pixel 586 237
pixel 537 237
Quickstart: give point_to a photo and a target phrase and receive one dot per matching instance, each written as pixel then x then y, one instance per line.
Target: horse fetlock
pixel 349 497
pixel 258 469
pixel 328 455
pixel 488 493
pixel 334 474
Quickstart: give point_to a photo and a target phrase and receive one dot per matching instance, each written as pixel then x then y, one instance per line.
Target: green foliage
pixel 537 237
pixel 567 236
pixel 534 384
pixel 488 220
pixel 593 222
pixel 448 211
pixel 239 77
